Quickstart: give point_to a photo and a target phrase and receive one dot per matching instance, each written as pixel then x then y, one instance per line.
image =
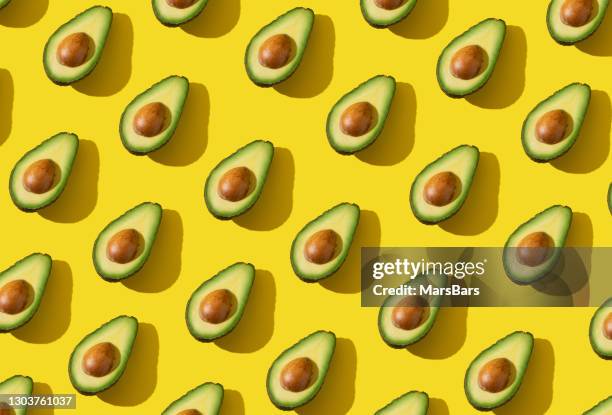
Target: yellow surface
pixel 224 111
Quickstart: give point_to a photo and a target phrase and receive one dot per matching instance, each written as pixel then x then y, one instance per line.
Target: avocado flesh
pixel 318 347
pixel 173 16
pixel 121 332
pixel 297 24
pixel 555 221
pixel 411 403
pixel 377 91
pixel 172 92
pixel 517 348
pixel 96 23
pixel 145 218
pixel 462 161
pixel 379 17
pixel 238 279
pixel 602 408
pixel 342 219
pixel 206 398
pixel 257 157
pixel 489 35
pixel 16 385
pixel 574 100
pixel 600 343
pixel 62 149
pixel 566 34
pixel 4 3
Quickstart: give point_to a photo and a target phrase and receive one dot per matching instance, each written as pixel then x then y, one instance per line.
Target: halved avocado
pixel 40 176
pixel 99 360
pixel 553 126
pixel 15 386
pixel 602 408
pixel 75 48
pixel 216 306
pixel 411 403
pixel 494 377
pixel 149 121
pixel 610 198
pixel 467 63
pixel 205 399
pixel 4 3
pixel 600 330
pixel 534 248
pixel 440 189
pixel 384 13
pixel 321 247
pixel 276 51
pixel 235 184
pixel 177 12
pixel 358 118
pixel 571 22
pixel 296 376
pixel 124 245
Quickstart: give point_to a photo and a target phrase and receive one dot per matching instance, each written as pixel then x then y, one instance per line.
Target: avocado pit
pixel 236 184
pixel 39 177
pixel 124 246
pixel 189 412
pixel 534 249
pixel 217 306
pixel 298 374
pixel 467 62
pixel 388 4
pixel 495 375
pixel 100 359
pixel 607 326
pixel 322 246
pixel 442 188
pixel 551 128
pixel 576 13
pixel 357 119
pixel 6 409
pixel 180 4
pixel 409 312
pixel 15 296
pixel 276 51
pixel 73 50
pixel 151 119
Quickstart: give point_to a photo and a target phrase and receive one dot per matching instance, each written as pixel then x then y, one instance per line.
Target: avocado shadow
pixel 218 18
pixel 54 312
pixel 6 104
pixel 79 198
pixel 113 71
pixel 480 209
pixel 507 81
pixel 581 231
pixel 191 136
pixel 397 138
pixel 315 71
pixel 276 200
pixel 138 381
pixel 598 44
pixel 163 267
pixel 41 388
pixel 23 14
pixel 592 147
pixel 233 403
pixel 338 391
pixel 535 394
pixel 347 279
pixel 437 407
pixel 256 326
pixel 446 337
pixel 426 19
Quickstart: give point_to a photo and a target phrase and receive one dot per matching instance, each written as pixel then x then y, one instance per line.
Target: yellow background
pixel 224 111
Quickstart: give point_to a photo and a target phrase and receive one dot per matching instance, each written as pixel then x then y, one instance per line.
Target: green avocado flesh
pixel 4 3
pixel 489 35
pixel 555 222
pixel 460 161
pixel 566 34
pixel 380 17
pixel 172 93
pixel 341 219
pixel 257 158
pixel 601 343
pixel 297 24
pixel 95 22
pixel 121 333
pixel 238 280
pixel 602 408
pixel 174 16
pixel 378 92
pixel 206 399
pixel 411 403
pixel 61 150
pixel 319 348
pixel 16 385
pixel 145 219
pixel 517 348
pixel 574 101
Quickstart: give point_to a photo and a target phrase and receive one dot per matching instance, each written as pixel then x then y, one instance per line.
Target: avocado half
pixel 297 25
pixel 600 330
pixel 16 385
pixel 381 17
pixel 602 408
pixel 567 34
pixel 178 12
pixel 204 399
pixel 610 198
pixel 516 348
pixel 120 332
pixel 376 95
pixel 411 403
pixel 95 23
pixel 489 36
pixel 319 348
pixel 235 283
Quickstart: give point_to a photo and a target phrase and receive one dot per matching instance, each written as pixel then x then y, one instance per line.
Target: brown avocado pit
pixel 552 127
pixel 468 62
pixel 15 296
pixel 151 119
pixel 576 13
pixel 358 119
pixel 276 51
pixel 298 374
pixel 607 326
pixel 388 4
pixel 100 359
pixel 40 176
pixel 189 412
pixel 236 184
pixel 217 306
pixel 124 246
pixel 495 375
pixel 6 409
pixel 409 313
pixel 534 249
pixel 322 246
pixel 442 188
pixel 74 49
pixel 180 4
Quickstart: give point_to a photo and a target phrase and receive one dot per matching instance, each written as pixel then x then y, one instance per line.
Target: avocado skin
pixel 599 405
pixel 610 198
pixel 168 24
pixel 569 43
pixel 4 3
pixel 393 22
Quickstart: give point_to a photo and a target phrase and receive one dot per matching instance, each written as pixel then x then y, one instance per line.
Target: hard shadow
pixel 113 71
pixel 426 19
pixel 217 19
pixel 138 381
pixel 23 13
pixel 276 200
pixel 592 147
pixel 446 336
pixel 338 392
pixel 473 218
pixel 598 44
pixel 164 265
pixel 581 231
pixel 7 89
pixel 191 136
pixel 233 404
pixel 317 67
pixel 507 82
pixel 79 198
pixel 437 407
pixel 397 138
pixel 54 312
pixel 41 388
pixel 256 326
